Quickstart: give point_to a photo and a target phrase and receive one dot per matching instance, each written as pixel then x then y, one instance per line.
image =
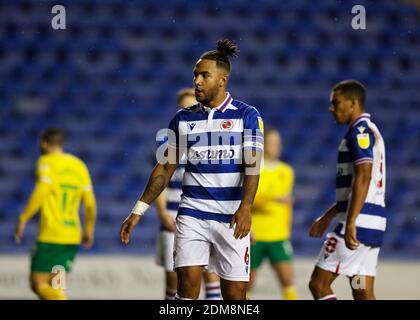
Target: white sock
pixel 177 297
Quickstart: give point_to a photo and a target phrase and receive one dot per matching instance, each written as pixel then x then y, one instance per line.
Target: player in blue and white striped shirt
pixel 167 204
pixel 353 248
pixel 222 139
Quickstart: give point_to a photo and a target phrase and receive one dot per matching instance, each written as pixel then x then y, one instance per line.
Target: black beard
pixel 210 98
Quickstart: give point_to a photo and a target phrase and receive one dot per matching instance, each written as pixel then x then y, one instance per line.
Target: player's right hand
pixel 20 228
pixel 129 223
pixel 319 227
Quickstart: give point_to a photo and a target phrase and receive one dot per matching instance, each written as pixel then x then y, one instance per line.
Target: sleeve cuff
pixel 363 160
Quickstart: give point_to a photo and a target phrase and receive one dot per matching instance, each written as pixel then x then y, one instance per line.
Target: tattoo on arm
pixel 154 187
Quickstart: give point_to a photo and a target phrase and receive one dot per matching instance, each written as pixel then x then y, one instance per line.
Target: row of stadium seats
pixel 110 79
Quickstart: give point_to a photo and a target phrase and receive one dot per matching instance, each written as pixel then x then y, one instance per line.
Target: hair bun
pixel 227 47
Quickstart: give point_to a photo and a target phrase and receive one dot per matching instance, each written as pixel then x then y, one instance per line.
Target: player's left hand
pixel 242 219
pixel 87 240
pixel 350 237
pixel 20 228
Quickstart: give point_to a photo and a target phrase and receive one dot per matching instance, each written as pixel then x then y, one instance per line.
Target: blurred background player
pixel 62 181
pixel 353 248
pixel 272 216
pixel 167 206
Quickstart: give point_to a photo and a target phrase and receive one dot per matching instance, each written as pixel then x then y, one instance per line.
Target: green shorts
pixel 276 251
pixel 45 256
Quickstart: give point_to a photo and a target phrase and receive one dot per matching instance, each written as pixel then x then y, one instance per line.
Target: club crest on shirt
pixel 226 125
pixel 363 140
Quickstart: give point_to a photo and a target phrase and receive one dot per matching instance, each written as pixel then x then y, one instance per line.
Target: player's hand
pixel 20 228
pixel 350 237
pixel 129 223
pixel 242 219
pixel 168 222
pixel 319 227
pixel 87 240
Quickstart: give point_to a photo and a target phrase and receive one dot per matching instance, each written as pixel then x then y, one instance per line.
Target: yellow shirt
pixel 68 178
pixel 272 209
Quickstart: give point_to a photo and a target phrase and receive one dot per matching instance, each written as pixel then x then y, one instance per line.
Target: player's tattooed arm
pixel 158 181
pixel 161 174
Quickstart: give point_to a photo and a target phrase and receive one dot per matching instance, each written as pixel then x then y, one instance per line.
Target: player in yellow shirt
pixel 62 182
pixel 272 217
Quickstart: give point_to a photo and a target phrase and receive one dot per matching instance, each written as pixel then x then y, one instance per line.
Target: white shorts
pixel 165 250
pixel 337 258
pixel 211 244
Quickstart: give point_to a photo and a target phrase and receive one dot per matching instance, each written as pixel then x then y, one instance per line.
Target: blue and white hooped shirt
pixel 362 143
pixel 213 140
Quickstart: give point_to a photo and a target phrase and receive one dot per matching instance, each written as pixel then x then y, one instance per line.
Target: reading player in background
pixel 223 141
pixel 353 248
pixel 167 206
pixel 62 182
pixel 272 216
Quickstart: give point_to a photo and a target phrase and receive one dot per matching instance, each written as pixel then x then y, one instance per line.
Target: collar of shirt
pixel 221 107
pixel 363 116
